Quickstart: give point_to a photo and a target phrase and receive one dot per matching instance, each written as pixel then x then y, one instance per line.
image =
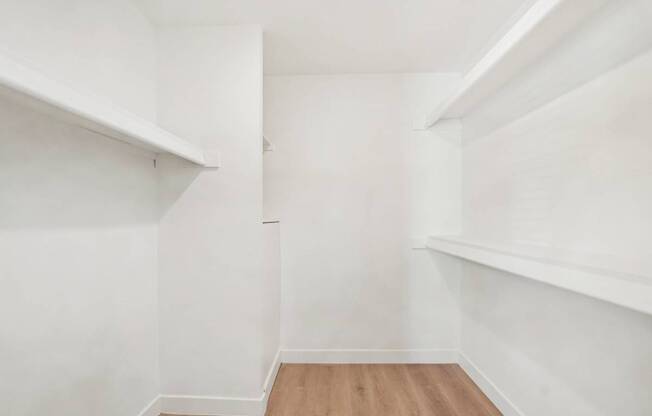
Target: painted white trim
pixel 497 397
pixel 219 405
pixel 630 291
pixel 211 405
pixel 541 27
pixel 240 406
pixel 153 408
pixel 364 356
pixel 271 375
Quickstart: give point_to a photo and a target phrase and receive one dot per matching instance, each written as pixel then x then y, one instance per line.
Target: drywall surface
pixel 574 176
pixel 272 292
pixel 554 352
pixel 78 231
pixel 352 185
pixel 574 179
pixel 211 234
pixel 105 48
pixel 319 37
pixel 615 32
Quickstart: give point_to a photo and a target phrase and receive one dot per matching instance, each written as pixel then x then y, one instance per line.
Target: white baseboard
pixel 153 408
pixel 238 406
pixel 220 406
pixel 506 407
pixel 271 377
pixel 211 405
pixel 358 356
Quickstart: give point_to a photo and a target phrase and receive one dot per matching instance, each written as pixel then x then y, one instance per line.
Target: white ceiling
pixel 356 36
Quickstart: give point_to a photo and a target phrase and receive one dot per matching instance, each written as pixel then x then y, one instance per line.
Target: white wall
pixel 271 292
pixel 573 177
pixel 211 235
pixel 78 222
pixel 78 230
pixel 106 48
pixel 217 336
pixel 554 352
pixel 352 184
pixel 612 32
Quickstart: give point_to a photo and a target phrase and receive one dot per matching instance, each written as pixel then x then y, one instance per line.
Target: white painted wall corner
pixel 215 405
pixel 271 377
pixel 232 406
pixel 153 408
pixel 497 397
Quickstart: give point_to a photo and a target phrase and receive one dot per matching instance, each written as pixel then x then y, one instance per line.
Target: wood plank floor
pixel 376 390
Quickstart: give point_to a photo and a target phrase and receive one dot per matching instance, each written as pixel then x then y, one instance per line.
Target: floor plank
pixel 376 390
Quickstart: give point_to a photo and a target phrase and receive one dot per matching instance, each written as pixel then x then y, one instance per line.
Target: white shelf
pixel 631 291
pixel 555 47
pixel 36 90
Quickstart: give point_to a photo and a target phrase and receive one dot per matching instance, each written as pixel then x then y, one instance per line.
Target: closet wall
pixel 103 48
pixel 353 186
pixel 108 257
pixel 213 324
pixel 571 181
pixel 573 177
pixel 78 220
pixel 123 279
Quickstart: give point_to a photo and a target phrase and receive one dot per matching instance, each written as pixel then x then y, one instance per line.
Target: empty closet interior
pixel 199 199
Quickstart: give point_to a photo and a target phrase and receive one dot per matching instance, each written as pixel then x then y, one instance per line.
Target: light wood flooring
pixel 376 390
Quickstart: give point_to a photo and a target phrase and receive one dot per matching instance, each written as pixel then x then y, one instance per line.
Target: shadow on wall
pixel 449 268
pixel 576 353
pixel 56 175
pixel 434 297
pixel 78 229
pixel 175 177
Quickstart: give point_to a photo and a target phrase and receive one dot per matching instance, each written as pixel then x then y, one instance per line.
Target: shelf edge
pixel 93 113
pixel 631 294
pixel 542 26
